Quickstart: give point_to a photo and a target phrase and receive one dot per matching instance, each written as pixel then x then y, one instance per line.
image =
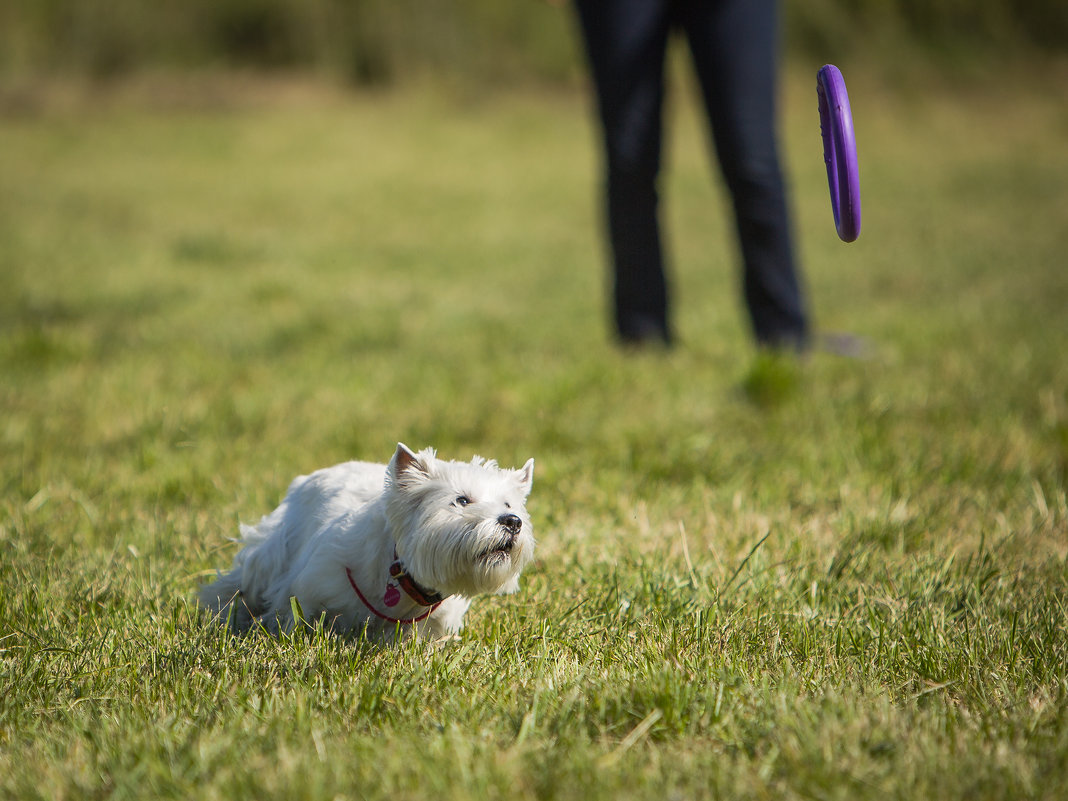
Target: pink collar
pixel 418 593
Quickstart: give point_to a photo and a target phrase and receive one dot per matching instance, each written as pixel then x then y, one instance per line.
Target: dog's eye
pixel 462 500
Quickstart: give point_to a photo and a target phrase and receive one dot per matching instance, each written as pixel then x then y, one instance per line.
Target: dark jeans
pixel 733 44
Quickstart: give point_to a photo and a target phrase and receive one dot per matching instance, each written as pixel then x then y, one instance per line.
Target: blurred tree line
pixel 369 42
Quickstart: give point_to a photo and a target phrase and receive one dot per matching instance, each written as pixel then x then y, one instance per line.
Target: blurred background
pixel 383 42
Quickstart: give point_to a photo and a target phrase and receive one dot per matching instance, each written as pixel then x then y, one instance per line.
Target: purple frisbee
pixel 839 151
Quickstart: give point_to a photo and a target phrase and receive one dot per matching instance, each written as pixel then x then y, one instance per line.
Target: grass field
pixel 850 583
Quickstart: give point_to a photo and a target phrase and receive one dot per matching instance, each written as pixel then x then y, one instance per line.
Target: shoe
pixel 644 333
pixel 848 346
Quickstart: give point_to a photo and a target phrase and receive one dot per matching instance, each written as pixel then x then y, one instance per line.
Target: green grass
pixel 849 583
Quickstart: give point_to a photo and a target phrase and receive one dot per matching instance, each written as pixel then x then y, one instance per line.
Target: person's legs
pixel 625 42
pixel 734 45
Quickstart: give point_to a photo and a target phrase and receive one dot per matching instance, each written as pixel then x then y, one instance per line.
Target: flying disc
pixel 839 151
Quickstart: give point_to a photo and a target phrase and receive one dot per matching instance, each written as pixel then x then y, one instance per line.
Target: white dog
pixel 380 547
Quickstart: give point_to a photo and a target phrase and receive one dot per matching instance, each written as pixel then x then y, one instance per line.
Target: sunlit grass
pixel 847 584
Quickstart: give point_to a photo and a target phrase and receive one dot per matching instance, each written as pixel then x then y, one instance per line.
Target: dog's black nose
pixel 511 522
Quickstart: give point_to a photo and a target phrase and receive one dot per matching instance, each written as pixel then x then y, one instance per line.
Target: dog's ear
pixel 406 467
pixel 525 475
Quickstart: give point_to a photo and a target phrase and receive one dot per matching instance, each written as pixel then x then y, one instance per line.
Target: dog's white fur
pixel 445 520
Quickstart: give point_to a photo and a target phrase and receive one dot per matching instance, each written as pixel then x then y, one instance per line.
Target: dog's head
pixel 461 528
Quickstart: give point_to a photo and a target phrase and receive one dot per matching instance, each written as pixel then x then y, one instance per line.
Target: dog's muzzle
pixel 500 550
pixel 510 523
